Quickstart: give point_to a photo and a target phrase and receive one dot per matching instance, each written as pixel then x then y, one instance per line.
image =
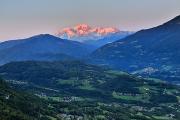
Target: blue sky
pixel 23 18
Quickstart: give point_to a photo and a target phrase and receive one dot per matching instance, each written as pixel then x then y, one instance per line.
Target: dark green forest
pixel 75 90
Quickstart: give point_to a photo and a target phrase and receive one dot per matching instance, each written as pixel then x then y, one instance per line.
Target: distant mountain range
pixel 153 52
pixel 45 47
pixel 42 47
pixel 97 36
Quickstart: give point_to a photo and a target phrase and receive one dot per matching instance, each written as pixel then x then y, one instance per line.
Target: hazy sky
pixel 23 18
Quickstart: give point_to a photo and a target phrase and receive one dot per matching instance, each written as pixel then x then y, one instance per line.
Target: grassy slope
pixel 88 82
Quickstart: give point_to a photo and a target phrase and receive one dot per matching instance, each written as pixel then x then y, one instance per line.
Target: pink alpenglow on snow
pixel 84 30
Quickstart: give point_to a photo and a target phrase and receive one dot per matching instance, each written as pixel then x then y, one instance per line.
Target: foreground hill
pixel 153 52
pixel 89 85
pixel 42 47
pixel 16 105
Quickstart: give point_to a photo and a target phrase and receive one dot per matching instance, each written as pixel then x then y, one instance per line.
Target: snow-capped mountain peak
pixel 83 32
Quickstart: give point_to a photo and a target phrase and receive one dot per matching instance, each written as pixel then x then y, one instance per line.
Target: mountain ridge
pixel 35 47
pixel 157 47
